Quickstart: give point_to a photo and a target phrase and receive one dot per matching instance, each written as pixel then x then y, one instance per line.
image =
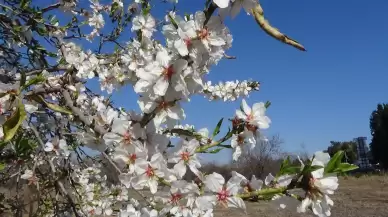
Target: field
pixel 366 196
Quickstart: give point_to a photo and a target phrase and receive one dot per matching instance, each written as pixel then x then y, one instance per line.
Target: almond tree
pixel 49 116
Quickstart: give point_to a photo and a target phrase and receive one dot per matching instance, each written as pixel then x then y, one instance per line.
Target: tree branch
pixel 258 14
pixel 77 112
pixel 53 171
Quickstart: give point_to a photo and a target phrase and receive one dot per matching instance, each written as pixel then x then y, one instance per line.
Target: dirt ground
pixel 357 197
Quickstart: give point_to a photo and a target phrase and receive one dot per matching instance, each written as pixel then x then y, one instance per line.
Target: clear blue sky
pixel 324 94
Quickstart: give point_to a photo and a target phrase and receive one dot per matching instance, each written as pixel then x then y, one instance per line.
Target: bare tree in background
pixel 261 160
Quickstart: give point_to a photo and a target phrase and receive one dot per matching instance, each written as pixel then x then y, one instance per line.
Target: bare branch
pixel 53 171
pixel 258 14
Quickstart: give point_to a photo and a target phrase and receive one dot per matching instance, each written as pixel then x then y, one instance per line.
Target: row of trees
pixel 379 132
pixel 379 144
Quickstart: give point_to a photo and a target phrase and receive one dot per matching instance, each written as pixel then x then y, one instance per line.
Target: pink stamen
pixel 185 156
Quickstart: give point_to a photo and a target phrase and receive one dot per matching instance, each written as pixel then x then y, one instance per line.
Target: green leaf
pixel 11 126
pixel 24 146
pixel 173 21
pixel 309 169
pixel 267 104
pixel 24 4
pixel 51 54
pixel 36 80
pixel 113 8
pixel 2 166
pixel 217 129
pixel 334 162
pixel 23 78
pixel 58 108
pixel 225 146
pixel 290 170
pixel 345 167
pixel 285 163
pixel 214 151
pixel 52 106
pixel 286 168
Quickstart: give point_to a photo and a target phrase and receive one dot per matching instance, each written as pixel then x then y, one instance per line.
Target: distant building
pixel 362 153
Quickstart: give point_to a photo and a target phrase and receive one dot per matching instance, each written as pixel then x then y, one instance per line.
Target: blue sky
pixel 324 94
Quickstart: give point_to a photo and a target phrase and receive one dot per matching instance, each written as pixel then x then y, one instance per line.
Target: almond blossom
pixel 320 187
pixel 185 156
pixel 245 138
pixel 224 194
pixel 124 134
pixel 234 8
pixel 160 75
pixel 144 23
pixel 254 116
pixel 125 158
pixel 59 146
pixel 149 172
pixel 30 176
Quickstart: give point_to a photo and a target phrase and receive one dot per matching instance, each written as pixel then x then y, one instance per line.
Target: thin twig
pixel 53 171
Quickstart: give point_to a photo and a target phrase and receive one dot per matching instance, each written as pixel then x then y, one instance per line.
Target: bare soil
pixel 357 197
pixel 366 196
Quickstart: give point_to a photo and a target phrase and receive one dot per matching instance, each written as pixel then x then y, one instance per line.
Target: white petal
pixel 125 179
pixel 30 108
pixel 221 3
pixel 206 202
pixel 255 183
pixel 237 153
pixel 269 179
pixel 285 180
pixel 179 65
pixel 321 158
pixel 318 173
pixel 153 184
pixel 180 168
pixel 214 182
pixel 304 205
pixel 199 19
pixel 181 46
pixel 245 108
pixel 240 115
pixel 161 85
pixel 48 147
pixel 236 202
pixel 317 209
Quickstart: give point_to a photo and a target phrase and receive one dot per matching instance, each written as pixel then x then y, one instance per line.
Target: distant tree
pixel 379 132
pixel 349 147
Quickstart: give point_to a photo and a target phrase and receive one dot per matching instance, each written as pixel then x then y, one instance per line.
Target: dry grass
pixel 366 196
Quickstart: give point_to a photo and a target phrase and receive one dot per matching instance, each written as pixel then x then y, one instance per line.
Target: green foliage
pixel 287 168
pixel 348 147
pixel 33 81
pixel 345 167
pixel 217 129
pixel 214 151
pixel 379 131
pixel 335 164
pixel 24 146
pixel 52 106
pixel 11 126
